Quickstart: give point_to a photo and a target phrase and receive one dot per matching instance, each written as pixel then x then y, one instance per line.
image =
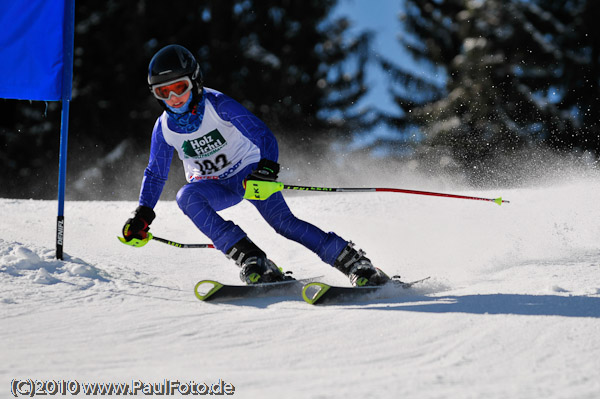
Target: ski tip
pixel 206 288
pixel 312 292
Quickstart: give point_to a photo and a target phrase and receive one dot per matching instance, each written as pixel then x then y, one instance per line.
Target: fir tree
pixel 518 72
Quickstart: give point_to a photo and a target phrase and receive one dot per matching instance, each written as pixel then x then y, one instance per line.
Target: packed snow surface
pixel 512 309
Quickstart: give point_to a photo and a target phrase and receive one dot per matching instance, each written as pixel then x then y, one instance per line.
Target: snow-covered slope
pixel 512 309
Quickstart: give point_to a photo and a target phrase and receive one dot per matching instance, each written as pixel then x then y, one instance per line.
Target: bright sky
pixel 380 16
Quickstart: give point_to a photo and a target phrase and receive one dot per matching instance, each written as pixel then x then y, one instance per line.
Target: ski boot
pixel 256 268
pixel 359 268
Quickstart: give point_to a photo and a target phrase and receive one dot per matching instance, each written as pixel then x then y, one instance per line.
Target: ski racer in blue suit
pixel 222 144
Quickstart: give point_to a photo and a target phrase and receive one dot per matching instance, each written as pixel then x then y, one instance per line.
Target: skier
pixel 222 144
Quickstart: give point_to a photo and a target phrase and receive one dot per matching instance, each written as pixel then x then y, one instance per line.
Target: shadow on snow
pixel 527 305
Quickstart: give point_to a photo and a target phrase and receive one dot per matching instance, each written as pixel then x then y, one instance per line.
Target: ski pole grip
pixel 261 190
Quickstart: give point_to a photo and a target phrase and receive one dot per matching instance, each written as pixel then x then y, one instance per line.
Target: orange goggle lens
pixel 179 88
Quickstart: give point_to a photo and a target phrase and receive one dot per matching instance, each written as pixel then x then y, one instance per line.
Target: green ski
pixel 317 293
pixel 211 290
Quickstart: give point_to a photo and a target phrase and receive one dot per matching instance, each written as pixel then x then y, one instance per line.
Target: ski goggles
pixel 177 87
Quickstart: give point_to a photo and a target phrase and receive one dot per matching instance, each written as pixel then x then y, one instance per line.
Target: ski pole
pixel 261 190
pixel 178 245
pixel 135 242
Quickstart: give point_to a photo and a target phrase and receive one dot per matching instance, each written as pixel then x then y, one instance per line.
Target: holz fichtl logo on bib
pixel 204 146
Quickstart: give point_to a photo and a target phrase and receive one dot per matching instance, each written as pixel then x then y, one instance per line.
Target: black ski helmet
pixel 172 62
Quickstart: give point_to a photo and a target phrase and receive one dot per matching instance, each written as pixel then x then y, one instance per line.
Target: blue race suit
pixel 220 143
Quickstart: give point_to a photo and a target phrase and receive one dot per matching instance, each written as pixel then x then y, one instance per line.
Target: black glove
pixel 266 170
pixel 138 225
